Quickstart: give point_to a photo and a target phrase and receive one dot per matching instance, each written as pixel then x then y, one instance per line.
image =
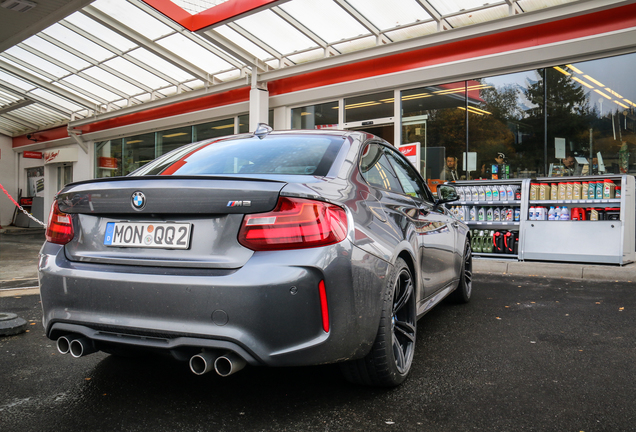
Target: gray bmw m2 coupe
pixel 274 248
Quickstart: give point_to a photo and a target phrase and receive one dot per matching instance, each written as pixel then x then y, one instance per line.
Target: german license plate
pixel 163 235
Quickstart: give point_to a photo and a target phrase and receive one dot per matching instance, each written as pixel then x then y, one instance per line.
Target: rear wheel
pixel 391 356
pixel 465 288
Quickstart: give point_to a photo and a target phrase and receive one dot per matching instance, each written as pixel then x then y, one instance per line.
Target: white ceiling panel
pixel 114 54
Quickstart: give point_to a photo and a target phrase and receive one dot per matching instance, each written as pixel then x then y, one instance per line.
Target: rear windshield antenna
pixel 262 130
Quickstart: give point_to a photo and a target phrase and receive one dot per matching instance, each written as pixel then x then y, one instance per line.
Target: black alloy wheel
pixel 403 322
pixel 465 287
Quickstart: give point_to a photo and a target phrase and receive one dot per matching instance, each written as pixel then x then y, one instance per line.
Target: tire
pixel 465 287
pixel 389 361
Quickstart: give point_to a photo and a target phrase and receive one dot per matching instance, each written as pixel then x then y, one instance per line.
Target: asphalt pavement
pixel 526 354
pixel 19 249
pixel 541 347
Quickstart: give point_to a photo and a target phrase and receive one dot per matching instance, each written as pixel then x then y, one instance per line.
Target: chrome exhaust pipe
pixel 81 347
pixel 64 343
pixel 203 362
pixel 228 364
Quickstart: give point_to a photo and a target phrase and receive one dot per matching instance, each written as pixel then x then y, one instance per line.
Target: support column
pixel 281 120
pixel 259 102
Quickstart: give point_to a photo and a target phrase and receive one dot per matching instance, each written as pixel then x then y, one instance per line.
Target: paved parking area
pixel 527 354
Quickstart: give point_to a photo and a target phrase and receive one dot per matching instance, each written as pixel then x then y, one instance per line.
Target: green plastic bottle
pixel 487 244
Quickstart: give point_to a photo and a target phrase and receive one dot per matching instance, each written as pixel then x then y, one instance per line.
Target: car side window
pixel 376 169
pixel 409 178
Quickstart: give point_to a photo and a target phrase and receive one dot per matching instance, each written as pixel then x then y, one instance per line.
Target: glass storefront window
pixel 214 129
pixel 367 107
pixel 315 116
pixel 506 118
pixel 244 123
pixel 35 182
pixel 64 176
pixel 138 151
pixel 108 158
pixel 435 117
pixel 591 119
pixel 172 139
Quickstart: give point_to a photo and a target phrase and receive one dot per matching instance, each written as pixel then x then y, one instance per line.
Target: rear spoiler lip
pixel 160 177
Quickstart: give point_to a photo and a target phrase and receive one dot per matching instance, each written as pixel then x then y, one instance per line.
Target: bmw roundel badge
pixel 138 200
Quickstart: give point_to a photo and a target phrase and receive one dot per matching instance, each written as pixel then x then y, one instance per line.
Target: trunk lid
pixel 212 209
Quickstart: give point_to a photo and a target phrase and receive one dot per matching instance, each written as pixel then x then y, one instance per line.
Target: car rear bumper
pixel 266 311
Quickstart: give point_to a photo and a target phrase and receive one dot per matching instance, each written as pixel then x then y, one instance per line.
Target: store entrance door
pixel 383 128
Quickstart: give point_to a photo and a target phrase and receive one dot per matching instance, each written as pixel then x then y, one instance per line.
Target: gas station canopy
pixel 114 54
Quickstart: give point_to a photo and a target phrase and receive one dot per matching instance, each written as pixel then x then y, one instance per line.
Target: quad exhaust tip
pixel 228 364
pixel 77 346
pixel 224 365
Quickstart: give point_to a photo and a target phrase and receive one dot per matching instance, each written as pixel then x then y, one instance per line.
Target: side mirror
pixel 446 193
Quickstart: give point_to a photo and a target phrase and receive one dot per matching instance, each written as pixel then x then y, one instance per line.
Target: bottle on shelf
pixel 576 190
pixel 599 189
pixel 542 213
pixel 510 214
pixel 534 191
pixel 502 193
pixel 510 195
pixel 552 213
pixel 565 213
pixel 562 190
pixel 488 193
pixel 591 190
pixel 495 193
pixel 481 193
pixel 609 189
pixel 578 214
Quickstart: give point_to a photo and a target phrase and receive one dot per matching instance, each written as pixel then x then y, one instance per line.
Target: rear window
pixel 274 154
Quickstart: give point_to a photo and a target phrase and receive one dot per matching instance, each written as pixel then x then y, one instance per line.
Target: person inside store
pixel 569 164
pixel 450 170
pixel 486 170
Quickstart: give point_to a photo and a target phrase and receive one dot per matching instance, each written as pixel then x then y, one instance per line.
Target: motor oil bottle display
pixel 599 189
pixel 510 242
pixel 498 242
pixel 502 193
pixel 474 245
pixel 481 193
pixel 487 245
pixel 488 193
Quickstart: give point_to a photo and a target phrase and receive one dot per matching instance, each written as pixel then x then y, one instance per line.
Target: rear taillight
pixel 60 227
pixel 295 223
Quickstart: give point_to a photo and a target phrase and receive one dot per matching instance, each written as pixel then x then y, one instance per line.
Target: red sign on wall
pixel 409 150
pixel 107 162
pixel 32 155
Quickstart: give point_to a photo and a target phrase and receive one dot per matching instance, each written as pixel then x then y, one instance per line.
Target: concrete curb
pixel 17 230
pixel 18 292
pixel 626 273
